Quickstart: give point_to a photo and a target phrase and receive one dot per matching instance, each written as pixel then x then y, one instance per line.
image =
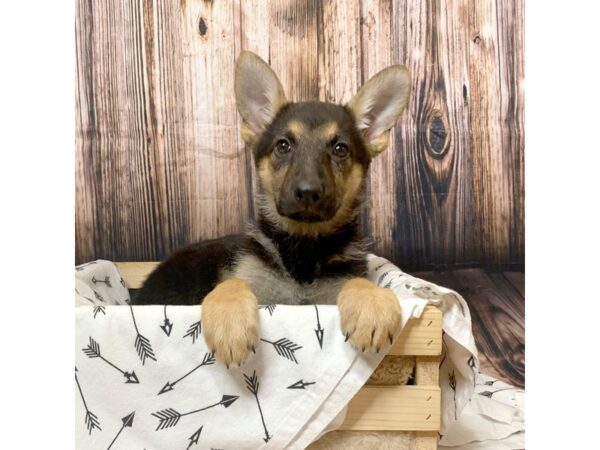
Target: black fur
pixel 189 274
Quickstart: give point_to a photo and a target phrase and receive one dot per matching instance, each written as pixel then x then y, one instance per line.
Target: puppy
pixel 305 246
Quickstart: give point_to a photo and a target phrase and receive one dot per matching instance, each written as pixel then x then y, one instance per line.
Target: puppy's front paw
pixel 230 321
pixel 370 315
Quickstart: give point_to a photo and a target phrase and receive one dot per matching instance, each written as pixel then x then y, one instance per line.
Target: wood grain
pixel 497 305
pixel 398 408
pixel 159 159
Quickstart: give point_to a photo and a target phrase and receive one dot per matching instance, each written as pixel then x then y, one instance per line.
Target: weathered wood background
pixel 160 162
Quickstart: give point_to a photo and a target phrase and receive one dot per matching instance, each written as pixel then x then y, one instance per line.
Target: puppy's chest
pixel 271 285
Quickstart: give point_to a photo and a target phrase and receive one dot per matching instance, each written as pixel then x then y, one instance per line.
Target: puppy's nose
pixel 308 193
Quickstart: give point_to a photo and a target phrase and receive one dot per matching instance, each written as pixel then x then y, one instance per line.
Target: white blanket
pixel 145 378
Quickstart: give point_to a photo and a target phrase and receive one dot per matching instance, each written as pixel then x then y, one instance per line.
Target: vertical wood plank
pixel 427 371
pixel 378 50
pixel 433 196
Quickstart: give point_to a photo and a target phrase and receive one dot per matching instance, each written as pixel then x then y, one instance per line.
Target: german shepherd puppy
pixel 305 247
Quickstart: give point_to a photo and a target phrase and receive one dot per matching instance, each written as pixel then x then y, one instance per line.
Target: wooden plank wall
pixel 160 162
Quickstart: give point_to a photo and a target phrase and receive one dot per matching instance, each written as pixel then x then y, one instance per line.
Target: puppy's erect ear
pixel 378 104
pixel 258 94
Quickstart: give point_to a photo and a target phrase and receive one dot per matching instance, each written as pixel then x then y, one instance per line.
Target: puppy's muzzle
pixel 307 201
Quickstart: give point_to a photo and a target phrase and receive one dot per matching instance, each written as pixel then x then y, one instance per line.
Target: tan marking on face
pixel 347 185
pixel 230 321
pixel 297 128
pixel 327 131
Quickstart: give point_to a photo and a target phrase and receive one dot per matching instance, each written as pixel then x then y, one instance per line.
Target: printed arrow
pixel 252 384
pixel 99 309
pixel 490 393
pixel 91 421
pixel 93 351
pixel 301 384
pixel 209 359
pixel 319 331
pixel 142 343
pixel 194 331
pixel 98 297
pixel 127 422
pixel 169 417
pixel 167 326
pixel 105 281
pixel 270 307
pixel 194 438
pixel 285 348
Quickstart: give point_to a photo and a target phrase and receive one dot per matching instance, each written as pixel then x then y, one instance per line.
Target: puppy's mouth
pixel 307 215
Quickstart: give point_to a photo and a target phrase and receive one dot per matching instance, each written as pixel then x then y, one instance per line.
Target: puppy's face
pixel 312 157
pixel 311 161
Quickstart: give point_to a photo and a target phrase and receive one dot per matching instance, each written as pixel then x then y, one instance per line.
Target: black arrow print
pixel 105 281
pixel 285 348
pixel 93 351
pixel 167 326
pixel 209 359
pixel 253 384
pixel 169 417
pixel 98 297
pixel 270 307
pixel 142 344
pixel 319 331
pixel 301 384
pixel 194 438
pixel 91 421
pixel 122 281
pixel 490 393
pixel 194 331
pixel 99 309
pixel 127 422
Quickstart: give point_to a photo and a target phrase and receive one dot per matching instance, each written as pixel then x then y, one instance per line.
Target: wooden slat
pixel 394 408
pixel 427 372
pixel 134 273
pixel 422 336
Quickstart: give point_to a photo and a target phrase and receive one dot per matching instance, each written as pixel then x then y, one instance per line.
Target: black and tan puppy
pixel 305 248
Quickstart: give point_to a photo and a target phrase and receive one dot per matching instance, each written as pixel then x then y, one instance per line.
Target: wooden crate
pixel 377 408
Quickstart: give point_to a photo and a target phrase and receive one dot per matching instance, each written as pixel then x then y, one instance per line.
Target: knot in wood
pixel 437 136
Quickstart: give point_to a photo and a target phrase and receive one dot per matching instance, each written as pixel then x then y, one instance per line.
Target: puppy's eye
pixel 283 146
pixel 340 150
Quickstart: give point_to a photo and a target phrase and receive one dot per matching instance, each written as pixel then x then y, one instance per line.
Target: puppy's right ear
pixel 258 95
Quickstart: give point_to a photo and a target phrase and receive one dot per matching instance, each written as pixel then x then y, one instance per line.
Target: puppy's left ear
pixel 378 104
pixel 258 95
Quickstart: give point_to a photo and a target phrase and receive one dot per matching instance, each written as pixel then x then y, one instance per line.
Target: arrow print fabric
pixel 288 392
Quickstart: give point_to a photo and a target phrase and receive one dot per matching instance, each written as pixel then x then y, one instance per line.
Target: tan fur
pixel 348 189
pixel 230 321
pixel 327 131
pixel 369 314
pixel 297 127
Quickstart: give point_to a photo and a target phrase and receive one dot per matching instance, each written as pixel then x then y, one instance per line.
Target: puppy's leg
pixel 230 321
pixel 370 315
